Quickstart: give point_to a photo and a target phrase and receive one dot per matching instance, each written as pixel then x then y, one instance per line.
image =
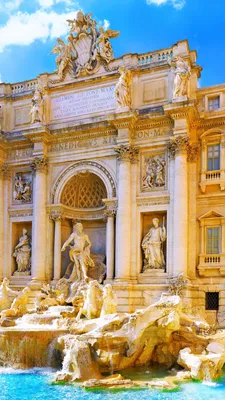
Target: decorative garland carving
pixel 5 172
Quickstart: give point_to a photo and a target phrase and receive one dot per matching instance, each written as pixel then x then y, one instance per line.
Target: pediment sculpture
pixel 87 48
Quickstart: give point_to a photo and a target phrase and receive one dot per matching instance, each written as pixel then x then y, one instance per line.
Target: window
pixel 212 301
pixel 213 157
pixel 213 240
pixel 214 103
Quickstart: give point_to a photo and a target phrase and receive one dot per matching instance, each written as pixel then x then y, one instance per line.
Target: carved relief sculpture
pixel 22 188
pixel 154 172
pixel 123 88
pixel 152 246
pixel 88 47
pixel 182 72
pixel 79 253
pixel 22 254
pixel 37 106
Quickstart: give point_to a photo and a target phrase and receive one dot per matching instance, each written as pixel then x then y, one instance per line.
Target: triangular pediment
pixel 211 214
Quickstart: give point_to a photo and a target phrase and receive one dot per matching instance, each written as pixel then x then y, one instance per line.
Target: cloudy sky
pixel 29 28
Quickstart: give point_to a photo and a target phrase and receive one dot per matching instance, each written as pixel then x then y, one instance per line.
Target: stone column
pixel 178 149
pixel 123 221
pixel 134 171
pixel 50 249
pixel 57 248
pixel 110 243
pixel 39 237
pixel 193 152
pixel 7 180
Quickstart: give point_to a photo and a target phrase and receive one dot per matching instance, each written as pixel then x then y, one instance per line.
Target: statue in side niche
pixel 80 246
pixel 182 72
pixel 123 88
pixel 109 301
pixel 22 254
pixel 19 305
pixel 152 246
pixel 37 106
pixel 5 294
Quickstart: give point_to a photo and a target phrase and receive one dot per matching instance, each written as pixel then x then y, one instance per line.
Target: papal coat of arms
pixel 88 47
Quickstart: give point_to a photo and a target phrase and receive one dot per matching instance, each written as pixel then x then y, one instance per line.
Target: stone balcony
pixel 211 265
pixel 209 178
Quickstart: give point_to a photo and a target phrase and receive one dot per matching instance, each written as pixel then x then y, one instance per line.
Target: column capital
pixel 127 153
pixel 178 145
pixel 192 153
pixel 110 212
pixel 56 217
pixel 39 164
pixel 5 172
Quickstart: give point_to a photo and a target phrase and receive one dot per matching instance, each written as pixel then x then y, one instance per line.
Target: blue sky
pixel 29 28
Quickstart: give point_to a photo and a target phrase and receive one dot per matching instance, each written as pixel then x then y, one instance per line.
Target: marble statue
pixel 154 172
pixel 103 46
pixel 64 60
pixel 182 72
pixel 22 254
pixel 92 301
pixel 22 189
pixel 19 305
pixel 37 106
pixel 79 253
pixel 88 47
pixel 123 88
pixel 5 293
pixel 152 246
pixel 109 301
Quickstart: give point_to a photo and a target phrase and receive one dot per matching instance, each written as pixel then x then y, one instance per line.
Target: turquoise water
pixel 36 385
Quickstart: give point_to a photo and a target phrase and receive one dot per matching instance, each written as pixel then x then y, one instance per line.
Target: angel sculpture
pixel 65 58
pixel 103 46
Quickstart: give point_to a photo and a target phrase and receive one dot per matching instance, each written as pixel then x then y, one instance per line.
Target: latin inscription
pixel 151 133
pixel 87 102
pixel 79 144
pixel 22 153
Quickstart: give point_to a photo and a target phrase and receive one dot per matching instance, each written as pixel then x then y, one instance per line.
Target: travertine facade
pixel 116 144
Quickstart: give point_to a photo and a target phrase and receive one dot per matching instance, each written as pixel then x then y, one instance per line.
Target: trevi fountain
pixel 112 230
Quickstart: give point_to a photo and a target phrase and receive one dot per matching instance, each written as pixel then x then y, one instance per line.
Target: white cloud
pixel 178 4
pixel 50 3
pixel 9 6
pixel 23 28
pixel 106 24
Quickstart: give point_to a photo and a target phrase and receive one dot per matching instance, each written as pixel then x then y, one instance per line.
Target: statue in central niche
pixel 80 246
pixel 152 246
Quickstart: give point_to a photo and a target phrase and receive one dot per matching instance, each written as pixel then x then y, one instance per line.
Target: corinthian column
pixel 6 178
pixel 39 167
pixel 125 154
pixel 178 149
pixel 57 247
pixel 110 240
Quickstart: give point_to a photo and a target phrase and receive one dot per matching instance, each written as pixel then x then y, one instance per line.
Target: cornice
pixel 182 110
pixel 38 134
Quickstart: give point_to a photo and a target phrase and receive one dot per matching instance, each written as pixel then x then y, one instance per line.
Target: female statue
pixel 152 246
pixel 22 253
pixel 123 88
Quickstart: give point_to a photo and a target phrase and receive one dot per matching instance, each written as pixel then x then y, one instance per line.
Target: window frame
pixel 213 158
pixel 213 237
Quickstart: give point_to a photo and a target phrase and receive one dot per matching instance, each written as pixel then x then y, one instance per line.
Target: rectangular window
pixel 213 157
pixel 213 241
pixel 212 301
pixel 214 103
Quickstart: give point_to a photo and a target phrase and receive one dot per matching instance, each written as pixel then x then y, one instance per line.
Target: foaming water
pixel 36 384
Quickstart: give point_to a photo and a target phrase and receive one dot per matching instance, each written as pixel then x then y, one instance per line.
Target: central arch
pixel 82 167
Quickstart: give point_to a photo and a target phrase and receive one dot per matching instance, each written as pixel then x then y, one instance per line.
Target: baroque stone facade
pixel 129 154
